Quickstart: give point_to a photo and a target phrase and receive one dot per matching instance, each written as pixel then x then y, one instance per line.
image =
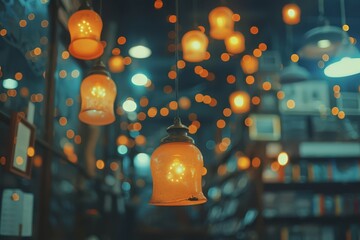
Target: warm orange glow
pixel 181 64
pixel 256 162
pixel 230 79
pixel 3 32
pixel 172 74
pixel 122 140
pixel 204 73
pixel 127 60
pixel 172 19
pixel 249 64
pixel 266 86
pixel 255 100
pixel 225 57
pixel 100 164
pixel 37 51
pixel 336 88
pixel 341 115
pixel 164 111
pixel 250 79
pixel 220 123
pixel 254 30
pixel 115 51
pixel 192 129
pixel 65 54
pixel 44 23
pixel 239 102
pixel 141 116
pixel 291 14
pixel 235 43
pixel 77 139
pixel 18 76
pixel 236 17
pixel 207 99
pixel 177 169
pixel 63 121
pixel 152 112
pixel 213 102
pixel 280 95
pixel 243 163
pixel 121 40
pixel 335 111
pixel 198 69
pixel 114 166
pixel 30 151
pixel 262 47
pixel 199 97
pixel 37 161
pixel 144 101
pixel 294 57
pixel 184 103
pixel 116 64
pixel 22 23
pixel 173 105
pixel 98 93
pixel 227 112
pixel 158 4
pixel 275 166
pixel 168 89
pixel 140 140
pixel 221 23
pixel 85 29
pixel 194 44
pixel 257 52
pixel 222 170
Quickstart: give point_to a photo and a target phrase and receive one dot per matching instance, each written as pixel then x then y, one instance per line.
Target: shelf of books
pixel 312 199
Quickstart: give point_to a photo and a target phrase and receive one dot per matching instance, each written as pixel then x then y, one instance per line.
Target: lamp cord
pixel 342 12
pixel 321 8
pixel 101 8
pixel 177 57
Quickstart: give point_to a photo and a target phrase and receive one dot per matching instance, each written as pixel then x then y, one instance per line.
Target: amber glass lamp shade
pixel 194 45
pixel 85 29
pixel 116 64
pixel 235 43
pixel 249 64
pixel 291 14
pixel 177 168
pixel 221 23
pixel 98 93
pixel 239 102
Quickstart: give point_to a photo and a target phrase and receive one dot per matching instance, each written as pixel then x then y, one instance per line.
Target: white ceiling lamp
pixel 347 59
pixel 140 52
pixel 294 73
pixel 323 39
pixel 9 83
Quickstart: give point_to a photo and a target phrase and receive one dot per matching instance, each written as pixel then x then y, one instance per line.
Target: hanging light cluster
pixel 194 45
pixel 98 90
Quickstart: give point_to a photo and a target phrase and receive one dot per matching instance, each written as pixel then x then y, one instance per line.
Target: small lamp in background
pixel 291 14
pixel 98 93
pixel 194 45
pixel 239 102
pixel 249 64
pixel 177 168
pixel 85 28
pixel 235 43
pixel 221 23
pixel 116 64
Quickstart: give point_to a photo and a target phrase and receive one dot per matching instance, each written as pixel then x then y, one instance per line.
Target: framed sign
pixel 265 127
pixel 22 141
pixel 349 102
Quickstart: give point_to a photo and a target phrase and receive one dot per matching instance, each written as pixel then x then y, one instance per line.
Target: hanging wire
pixel 194 13
pixel 342 12
pixel 321 8
pixel 177 57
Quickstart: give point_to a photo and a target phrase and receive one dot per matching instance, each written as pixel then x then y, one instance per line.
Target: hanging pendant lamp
pixel 294 73
pixel 85 28
pixel 98 93
pixel 235 43
pixel 194 45
pixel 221 23
pixel 239 102
pixel 291 14
pixel 177 168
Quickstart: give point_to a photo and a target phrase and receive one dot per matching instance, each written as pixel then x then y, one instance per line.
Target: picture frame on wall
pixel 22 146
pixel 265 127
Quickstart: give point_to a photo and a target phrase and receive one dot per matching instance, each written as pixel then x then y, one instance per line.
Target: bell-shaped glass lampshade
pixel 249 64
pixel 116 64
pixel 177 168
pixel 291 14
pixel 294 73
pixel 85 29
pixel 194 45
pixel 322 40
pixel 239 102
pixel 235 43
pixel 345 63
pixel 98 93
pixel 221 23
